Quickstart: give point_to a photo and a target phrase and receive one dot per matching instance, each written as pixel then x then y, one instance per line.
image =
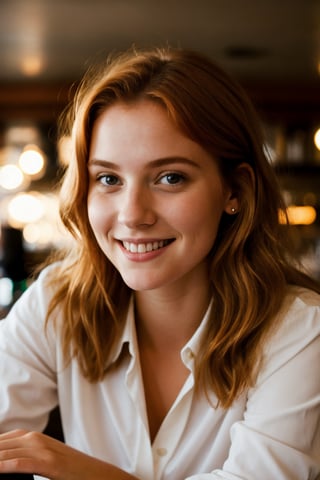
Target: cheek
pixel 97 214
pixel 201 214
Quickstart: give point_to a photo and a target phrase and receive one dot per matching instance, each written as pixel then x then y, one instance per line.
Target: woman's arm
pixel 32 452
pixel 28 366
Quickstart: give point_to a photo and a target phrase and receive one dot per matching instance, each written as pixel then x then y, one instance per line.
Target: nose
pixel 136 208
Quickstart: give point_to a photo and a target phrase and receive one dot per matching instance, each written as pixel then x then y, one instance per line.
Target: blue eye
pixel 109 180
pixel 172 179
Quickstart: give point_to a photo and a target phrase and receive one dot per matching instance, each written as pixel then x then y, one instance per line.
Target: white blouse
pixel 271 432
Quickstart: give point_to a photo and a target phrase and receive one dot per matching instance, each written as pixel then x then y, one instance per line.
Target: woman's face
pixel 155 197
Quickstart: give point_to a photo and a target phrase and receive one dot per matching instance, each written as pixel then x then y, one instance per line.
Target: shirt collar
pixel 192 347
pixel 188 352
pixel 128 336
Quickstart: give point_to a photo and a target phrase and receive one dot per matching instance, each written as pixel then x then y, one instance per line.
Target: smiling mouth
pixel 146 247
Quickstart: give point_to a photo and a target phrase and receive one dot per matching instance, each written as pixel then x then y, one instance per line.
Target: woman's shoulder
pixel 48 278
pixel 304 295
pixel 300 312
pixel 295 333
pixel 301 304
pixel 296 328
pixel 49 272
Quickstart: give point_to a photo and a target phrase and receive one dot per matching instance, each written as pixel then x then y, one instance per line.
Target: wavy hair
pixel 250 260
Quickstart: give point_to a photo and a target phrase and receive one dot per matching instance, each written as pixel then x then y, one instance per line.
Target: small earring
pixel 233 209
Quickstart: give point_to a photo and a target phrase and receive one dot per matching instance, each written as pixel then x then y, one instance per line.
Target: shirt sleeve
pixel 279 435
pixel 27 362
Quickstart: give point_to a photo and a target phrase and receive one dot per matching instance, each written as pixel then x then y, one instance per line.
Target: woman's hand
pixel 32 452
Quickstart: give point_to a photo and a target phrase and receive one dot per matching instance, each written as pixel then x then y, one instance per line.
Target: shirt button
pixel 161 452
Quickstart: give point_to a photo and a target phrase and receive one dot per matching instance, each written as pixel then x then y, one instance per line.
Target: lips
pixel 145 246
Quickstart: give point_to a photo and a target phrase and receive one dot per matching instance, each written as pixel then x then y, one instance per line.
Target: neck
pixel 167 319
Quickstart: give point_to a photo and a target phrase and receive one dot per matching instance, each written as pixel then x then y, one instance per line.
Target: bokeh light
pixel 299 215
pixel 317 139
pixel 11 177
pixel 31 160
pixel 25 208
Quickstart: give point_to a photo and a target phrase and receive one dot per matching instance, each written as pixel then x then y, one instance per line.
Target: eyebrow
pixel 160 162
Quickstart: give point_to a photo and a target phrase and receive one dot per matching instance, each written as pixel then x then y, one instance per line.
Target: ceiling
pixel 259 40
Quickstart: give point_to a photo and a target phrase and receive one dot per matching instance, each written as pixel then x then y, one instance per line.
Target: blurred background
pixel 271 46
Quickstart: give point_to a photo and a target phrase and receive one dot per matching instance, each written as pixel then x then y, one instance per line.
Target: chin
pixel 142 284
pixel 142 287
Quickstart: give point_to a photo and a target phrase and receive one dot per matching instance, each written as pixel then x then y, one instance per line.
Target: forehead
pixel 140 128
pixel 142 115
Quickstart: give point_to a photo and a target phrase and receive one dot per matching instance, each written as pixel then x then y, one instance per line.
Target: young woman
pixel 177 336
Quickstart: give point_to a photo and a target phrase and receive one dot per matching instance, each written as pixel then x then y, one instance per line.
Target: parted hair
pixel 250 262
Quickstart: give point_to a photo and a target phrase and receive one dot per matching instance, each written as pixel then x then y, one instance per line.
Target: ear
pixel 243 178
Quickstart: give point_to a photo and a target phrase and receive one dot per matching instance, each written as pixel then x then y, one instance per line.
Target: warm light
pixel 31 160
pixel 11 177
pixel 302 215
pixel 65 150
pixel 21 135
pixel 31 233
pixel 25 208
pixel 39 233
pixel 316 139
pixel 32 65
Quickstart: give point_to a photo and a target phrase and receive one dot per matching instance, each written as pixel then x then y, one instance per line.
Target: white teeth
pixel 144 247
